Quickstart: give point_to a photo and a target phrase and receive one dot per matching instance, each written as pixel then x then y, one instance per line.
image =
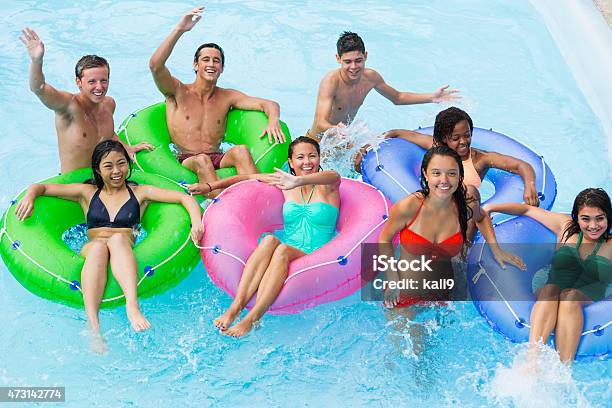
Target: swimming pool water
pixel 512 79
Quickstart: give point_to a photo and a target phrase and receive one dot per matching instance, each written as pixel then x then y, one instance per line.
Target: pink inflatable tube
pixel 241 214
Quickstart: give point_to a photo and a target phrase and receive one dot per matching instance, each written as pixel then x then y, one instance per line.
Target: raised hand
pixel 443 94
pixel 190 19
pixel 33 43
pixel 283 180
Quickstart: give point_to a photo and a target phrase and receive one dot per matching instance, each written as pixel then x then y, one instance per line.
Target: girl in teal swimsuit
pixel 310 212
pixel 581 268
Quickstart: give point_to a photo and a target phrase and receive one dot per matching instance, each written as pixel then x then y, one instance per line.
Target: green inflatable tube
pixel 34 252
pixel 243 128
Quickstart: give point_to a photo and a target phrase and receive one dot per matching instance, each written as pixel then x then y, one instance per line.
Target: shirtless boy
pixel 342 91
pixel 196 112
pixel 453 127
pixel 83 119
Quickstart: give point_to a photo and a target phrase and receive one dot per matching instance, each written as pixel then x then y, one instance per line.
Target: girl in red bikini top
pixel 417 244
pixel 445 199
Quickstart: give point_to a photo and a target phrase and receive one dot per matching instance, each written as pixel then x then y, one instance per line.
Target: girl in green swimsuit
pixel 310 212
pixel 581 268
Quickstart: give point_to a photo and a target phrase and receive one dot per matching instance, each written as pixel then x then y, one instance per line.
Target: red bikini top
pixel 416 244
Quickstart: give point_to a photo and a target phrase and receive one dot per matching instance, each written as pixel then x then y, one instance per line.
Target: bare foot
pixel 241 328
pixel 137 319
pixel 97 343
pixel 226 319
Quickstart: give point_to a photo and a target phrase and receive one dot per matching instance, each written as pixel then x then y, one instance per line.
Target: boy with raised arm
pixel 196 112
pixel 342 91
pixel 83 119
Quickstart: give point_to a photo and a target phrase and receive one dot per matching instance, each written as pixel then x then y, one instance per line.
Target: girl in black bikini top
pixel 127 217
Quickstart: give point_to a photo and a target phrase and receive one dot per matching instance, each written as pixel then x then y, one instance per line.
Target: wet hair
pixel 302 139
pixel 89 61
pixel 445 123
pixel 209 45
pixel 348 42
pixel 102 150
pixel 459 196
pixel 590 197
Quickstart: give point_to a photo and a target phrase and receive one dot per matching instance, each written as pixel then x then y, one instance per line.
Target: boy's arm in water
pixel 442 94
pixel 516 166
pixel 52 98
pixel 422 140
pixel 165 82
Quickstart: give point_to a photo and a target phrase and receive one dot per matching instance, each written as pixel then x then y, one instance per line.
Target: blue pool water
pixel 348 353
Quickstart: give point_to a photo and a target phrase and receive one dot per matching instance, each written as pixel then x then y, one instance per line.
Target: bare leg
pixel 125 271
pixel 203 167
pixel 254 270
pixel 570 322
pixel 239 157
pixel 93 280
pixel 271 284
pixel 405 329
pixel 544 314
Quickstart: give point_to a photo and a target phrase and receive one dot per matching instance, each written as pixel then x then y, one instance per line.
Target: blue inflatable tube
pixel 395 168
pixel 504 297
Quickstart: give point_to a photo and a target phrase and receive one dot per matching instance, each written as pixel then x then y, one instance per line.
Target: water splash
pixel 535 380
pixel 340 146
pixel 76 236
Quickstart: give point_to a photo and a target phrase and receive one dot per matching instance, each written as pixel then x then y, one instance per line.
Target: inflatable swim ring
pixel 395 168
pixel 36 255
pixel 243 127
pixel 504 297
pixel 241 214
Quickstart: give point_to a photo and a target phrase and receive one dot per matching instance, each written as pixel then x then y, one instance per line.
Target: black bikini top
pixel 127 217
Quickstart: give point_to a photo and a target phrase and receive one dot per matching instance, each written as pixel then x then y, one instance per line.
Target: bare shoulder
pixel 331 79
pixel 110 103
pixel 372 75
pixel 88 190
pixel 228 92
pixel 229 96
pixel 606 249
pixel 143 192
pixel 480 156
pixel 410 204
pixel 332 188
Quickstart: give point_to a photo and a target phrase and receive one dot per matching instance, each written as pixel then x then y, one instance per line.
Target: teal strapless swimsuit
pixel 590 275
pixel 308 226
